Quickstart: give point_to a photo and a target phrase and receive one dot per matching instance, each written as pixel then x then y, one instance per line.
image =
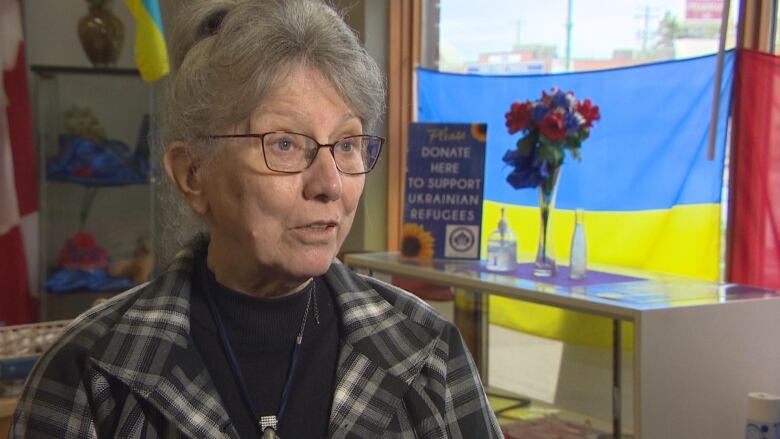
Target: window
pixel 775 26
pixel 529 37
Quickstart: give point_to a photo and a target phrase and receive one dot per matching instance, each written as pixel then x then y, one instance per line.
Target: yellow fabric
pixel 684 240
pixel 151 53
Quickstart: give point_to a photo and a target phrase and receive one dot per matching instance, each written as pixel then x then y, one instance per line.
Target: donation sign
pixel 445 169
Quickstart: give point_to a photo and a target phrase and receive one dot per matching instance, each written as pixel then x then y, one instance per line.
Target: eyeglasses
pixel 293 152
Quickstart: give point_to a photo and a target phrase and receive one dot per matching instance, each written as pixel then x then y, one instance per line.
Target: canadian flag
pixel 18 186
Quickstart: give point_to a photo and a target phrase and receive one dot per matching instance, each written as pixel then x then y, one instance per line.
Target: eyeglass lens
pixel 290 152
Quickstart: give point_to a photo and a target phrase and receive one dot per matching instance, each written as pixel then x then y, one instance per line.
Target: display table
pixel 699 347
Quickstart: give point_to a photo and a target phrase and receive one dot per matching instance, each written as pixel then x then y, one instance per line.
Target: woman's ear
pixel 182 166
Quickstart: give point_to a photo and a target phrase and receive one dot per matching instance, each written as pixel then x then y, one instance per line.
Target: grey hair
pixel 228 55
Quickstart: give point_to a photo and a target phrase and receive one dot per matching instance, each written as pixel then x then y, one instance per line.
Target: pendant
pixel 268 425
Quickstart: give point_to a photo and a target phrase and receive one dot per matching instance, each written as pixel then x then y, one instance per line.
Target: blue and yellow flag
pixel 652 199
pixel 151 53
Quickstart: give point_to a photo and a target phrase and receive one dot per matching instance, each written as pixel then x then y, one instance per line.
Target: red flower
pixel 82 253
pixel 589 112
pixel 82 171
pixel 552 127
pixel 547 99
pixel 83 241
pixel 518 118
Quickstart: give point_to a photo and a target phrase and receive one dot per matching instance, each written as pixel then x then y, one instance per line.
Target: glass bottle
pixel 502 247
pixel 578 262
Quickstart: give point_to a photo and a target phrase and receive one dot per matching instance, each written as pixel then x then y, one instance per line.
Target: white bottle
pixel 578 258
pixel 502 247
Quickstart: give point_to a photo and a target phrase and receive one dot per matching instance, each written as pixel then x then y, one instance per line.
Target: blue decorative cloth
pixel 65 281
pixel 93 164
pixel 649 151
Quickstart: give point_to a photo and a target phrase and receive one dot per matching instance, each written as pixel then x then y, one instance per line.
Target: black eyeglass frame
pixel 330 146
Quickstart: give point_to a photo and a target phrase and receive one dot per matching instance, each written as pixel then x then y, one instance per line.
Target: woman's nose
pixel 323 179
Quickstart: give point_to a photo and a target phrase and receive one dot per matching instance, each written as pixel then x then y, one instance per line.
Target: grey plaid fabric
pixel 128 369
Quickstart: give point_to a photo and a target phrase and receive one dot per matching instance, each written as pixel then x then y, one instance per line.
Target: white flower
pixel 571 101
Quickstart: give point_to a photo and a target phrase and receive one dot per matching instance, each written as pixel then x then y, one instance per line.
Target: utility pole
pixel 646 29
pixel 646 15
pixel 569 26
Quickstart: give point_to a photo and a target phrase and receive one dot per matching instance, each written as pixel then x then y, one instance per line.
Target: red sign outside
pixel 703 9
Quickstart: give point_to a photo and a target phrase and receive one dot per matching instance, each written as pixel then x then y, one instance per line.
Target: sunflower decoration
pixel 479 131
pixel 416 242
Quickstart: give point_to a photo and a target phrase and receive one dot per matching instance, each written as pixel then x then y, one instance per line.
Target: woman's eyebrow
pixel 296 115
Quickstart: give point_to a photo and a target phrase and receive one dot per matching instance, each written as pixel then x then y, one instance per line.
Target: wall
pixel 50 32
pixel 369 232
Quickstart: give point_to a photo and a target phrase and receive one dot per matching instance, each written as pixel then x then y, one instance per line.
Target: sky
pixel 470 27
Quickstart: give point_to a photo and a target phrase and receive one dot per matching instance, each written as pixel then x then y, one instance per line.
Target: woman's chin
pixel 307 266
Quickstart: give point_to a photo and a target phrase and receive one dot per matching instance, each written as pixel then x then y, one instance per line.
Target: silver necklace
pixel 269 424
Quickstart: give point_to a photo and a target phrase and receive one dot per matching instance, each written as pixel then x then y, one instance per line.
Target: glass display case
pixel 96 197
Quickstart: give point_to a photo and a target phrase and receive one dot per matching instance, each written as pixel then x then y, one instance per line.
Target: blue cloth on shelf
pixel 65 281
pixel 93 164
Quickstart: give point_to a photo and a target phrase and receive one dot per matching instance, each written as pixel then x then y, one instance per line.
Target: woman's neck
pixel 253 281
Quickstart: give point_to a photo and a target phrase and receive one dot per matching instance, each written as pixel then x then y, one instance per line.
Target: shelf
pixel 49 71
pixel 102 188
pixel 97 184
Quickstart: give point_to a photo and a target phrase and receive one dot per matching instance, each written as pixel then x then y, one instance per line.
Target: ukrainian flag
pixel 151 53
pixel 652 199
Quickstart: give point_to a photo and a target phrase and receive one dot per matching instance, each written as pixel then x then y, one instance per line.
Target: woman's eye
pixel 283 145
pixel 346 145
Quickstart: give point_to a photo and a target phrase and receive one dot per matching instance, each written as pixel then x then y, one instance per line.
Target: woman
pixel 255 329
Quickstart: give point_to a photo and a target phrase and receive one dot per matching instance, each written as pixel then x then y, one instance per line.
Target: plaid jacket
pixel 128 369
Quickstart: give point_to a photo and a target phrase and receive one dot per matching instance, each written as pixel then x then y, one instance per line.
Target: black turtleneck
pixel 262 334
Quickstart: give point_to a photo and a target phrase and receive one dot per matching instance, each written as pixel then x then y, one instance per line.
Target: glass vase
pixel 545 266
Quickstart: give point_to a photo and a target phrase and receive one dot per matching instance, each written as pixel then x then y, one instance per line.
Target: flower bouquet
pixel 550 125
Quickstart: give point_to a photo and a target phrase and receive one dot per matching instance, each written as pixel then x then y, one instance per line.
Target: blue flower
pixel 538 112
pixel 571 123
pixel 559 99
pixel 525 178
pixel 527 171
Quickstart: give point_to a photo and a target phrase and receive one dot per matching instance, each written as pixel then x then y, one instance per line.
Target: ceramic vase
pixel 101 34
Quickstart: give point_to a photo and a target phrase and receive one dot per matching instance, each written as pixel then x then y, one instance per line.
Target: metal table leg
pixel 616 378
pixel 482 314
pixel 472 320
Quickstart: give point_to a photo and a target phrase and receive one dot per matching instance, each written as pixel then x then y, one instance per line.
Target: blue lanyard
pixel 263 423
